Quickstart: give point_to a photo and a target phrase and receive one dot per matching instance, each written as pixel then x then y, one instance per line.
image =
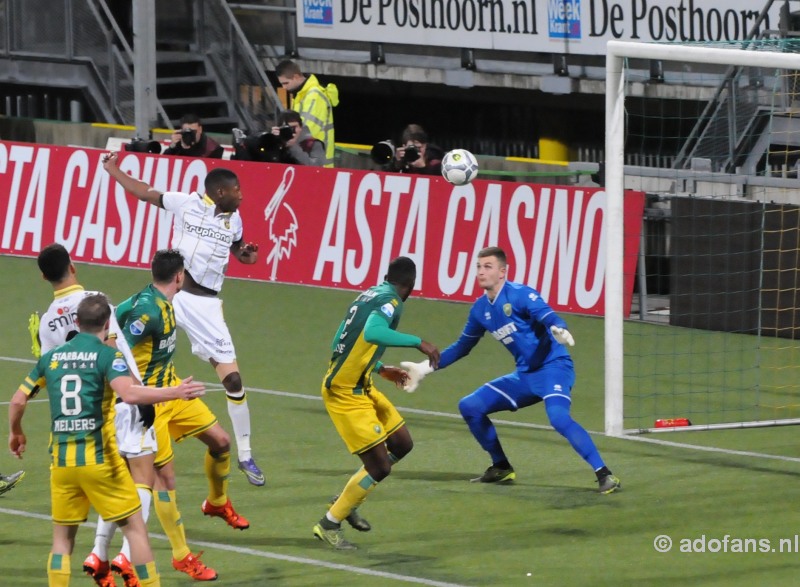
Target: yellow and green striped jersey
pixel 353 357
pixel 147 319
pixel 77 377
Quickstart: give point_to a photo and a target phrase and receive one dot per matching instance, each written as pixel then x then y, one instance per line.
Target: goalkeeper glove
pixel 562 335
pixel 416 373
pixel 33 328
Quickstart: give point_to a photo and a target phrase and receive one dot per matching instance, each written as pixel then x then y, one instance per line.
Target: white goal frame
pixel 617 52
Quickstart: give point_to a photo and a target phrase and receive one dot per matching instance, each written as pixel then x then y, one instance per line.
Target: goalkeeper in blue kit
pixel 517 316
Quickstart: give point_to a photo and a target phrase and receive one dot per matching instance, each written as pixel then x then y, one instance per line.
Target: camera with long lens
pixel 264 147
pixel 139 145
pixel 382 153
pixel 188 136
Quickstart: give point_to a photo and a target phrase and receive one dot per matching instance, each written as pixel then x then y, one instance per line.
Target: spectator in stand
pixel 191 141
pixel 415 154
pixel 314 102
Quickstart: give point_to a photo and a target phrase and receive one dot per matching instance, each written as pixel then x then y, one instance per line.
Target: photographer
pixel 302 148
pixel 191 141
pixel 415 154
pixel 289 142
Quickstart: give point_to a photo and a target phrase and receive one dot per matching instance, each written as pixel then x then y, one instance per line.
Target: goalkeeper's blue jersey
pixel 519 318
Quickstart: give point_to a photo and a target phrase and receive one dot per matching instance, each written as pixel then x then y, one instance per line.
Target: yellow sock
pixel 166 506
pixel 354 494
pixel 58 570
pixel 218 469
pixel 148 575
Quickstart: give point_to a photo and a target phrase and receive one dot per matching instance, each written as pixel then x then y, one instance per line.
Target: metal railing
pixel 122 58
pixel 85 33
pixel 78 32
pixel 730 120
pixel 234 64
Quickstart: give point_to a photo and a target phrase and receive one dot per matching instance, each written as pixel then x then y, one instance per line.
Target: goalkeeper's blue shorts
pixel 525 388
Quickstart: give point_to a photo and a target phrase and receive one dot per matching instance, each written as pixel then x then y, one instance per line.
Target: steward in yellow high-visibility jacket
pixel 314 102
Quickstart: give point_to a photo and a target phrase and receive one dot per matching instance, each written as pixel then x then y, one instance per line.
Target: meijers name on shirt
pixel 76 425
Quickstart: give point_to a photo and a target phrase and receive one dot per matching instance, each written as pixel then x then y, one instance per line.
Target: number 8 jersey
pixel 77 376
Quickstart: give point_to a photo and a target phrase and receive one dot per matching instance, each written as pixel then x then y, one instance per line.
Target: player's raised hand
pixel 416 373
pixel 394 374
pixel 562 335
pixel 110 159
pixel 188 389
pixel 432 352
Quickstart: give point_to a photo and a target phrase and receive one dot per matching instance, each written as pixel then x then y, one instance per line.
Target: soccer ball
pixel 459 166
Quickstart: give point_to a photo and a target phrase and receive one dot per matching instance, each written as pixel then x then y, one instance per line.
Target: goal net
pixel 711 134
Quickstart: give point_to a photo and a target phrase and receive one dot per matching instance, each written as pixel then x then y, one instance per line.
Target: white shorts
pixel 201 318
pixel 132 438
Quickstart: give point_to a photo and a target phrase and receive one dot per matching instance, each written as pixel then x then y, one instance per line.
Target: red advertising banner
pixel 324 227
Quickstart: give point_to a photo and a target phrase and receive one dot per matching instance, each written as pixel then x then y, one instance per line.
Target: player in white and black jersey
pixel 207 230
pixel 57 325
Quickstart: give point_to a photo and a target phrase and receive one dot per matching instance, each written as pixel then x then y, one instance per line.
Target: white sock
pixel 240 419
pixel 146 495
pixel 102 538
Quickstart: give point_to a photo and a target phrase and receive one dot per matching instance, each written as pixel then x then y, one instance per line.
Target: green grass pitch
pixel 430 525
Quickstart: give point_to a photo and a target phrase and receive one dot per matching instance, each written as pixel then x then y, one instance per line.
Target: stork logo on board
pixel 564 19
pixel 282 224
pixel 318 12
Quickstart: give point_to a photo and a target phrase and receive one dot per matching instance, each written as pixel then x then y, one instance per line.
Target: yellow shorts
pixel 109 488
pixel 362 420
pixel 179 419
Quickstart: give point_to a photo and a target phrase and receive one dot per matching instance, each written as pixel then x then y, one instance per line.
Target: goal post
pixel 747 350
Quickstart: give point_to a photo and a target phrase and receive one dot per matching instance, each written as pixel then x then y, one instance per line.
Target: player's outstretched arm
pixel 138 188
pixel 431 351
pixel 139 394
